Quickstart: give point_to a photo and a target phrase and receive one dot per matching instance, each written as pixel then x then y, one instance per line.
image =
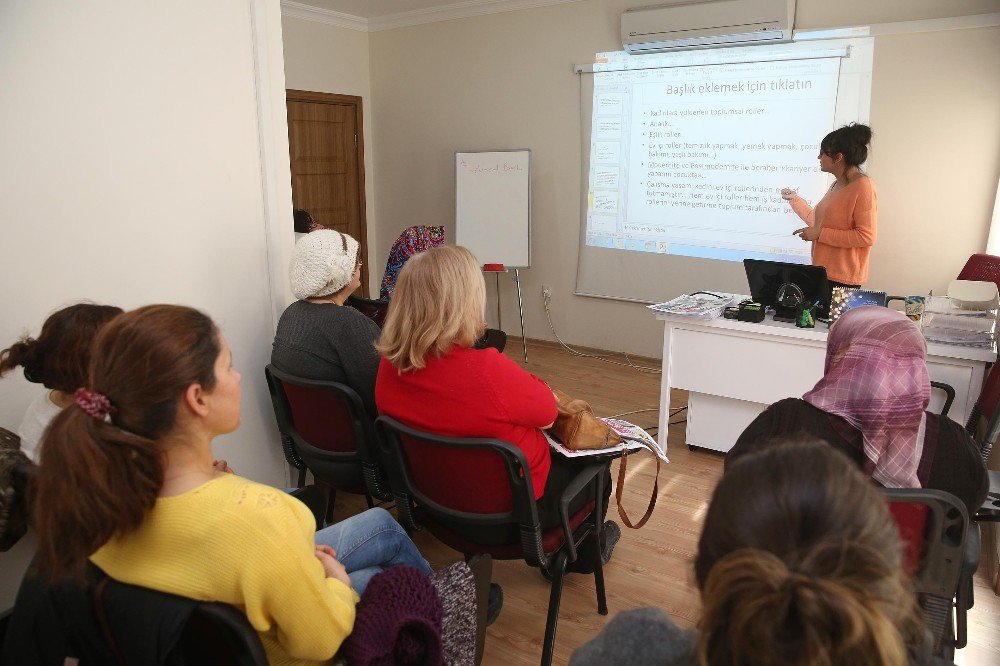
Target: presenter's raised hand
pixel 788 194
pixel 807 233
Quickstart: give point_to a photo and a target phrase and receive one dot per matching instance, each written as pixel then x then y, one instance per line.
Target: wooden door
pixel 326 152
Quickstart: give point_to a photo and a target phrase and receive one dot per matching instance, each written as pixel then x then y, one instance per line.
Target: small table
pixel 733 370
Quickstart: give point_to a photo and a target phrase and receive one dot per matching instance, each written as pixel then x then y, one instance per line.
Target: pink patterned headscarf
pixel 876 379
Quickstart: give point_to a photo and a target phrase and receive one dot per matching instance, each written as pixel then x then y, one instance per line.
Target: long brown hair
pixel 799 563
pixel 59 356
pixel 97 478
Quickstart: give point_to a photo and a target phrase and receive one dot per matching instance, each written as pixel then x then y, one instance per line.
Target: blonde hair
pixel 439 301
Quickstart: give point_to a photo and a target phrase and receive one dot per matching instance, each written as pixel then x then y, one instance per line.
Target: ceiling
pixel 377 8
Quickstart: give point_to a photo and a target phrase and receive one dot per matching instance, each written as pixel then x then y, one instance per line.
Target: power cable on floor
pixel 576 352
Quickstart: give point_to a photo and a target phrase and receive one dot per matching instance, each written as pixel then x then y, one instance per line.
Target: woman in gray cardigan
pixel 317 337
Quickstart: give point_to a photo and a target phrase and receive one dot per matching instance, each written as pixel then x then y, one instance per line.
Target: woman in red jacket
pixel 432 378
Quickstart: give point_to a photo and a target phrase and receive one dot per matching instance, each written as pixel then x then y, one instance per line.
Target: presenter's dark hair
pixel 59 356
pixel 800 563
pixel 851 141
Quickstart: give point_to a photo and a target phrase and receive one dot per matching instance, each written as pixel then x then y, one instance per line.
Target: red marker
pixel 493 268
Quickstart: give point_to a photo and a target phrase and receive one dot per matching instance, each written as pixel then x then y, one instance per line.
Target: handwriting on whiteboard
pixel 485 169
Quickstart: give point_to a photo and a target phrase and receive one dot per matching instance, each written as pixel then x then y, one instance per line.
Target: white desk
pixel 734 369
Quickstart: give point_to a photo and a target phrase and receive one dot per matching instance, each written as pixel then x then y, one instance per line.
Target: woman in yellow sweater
pixel 127 480
pixel 842 226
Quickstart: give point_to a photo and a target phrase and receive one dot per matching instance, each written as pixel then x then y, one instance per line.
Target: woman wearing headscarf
pixel 871 404
pixel 410 243
pixel 413 240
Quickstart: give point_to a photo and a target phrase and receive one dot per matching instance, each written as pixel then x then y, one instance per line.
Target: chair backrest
pixel 373 309
pixel 421 468
pixel 984 267
pixel 322 418
pixel 103 621
pixel 934 527
pixel 327 427
pixel 986 406
pixel 221 635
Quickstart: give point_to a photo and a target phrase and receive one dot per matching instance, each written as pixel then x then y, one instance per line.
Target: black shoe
pixel 586 561
pixel 495 604
pixel 612 533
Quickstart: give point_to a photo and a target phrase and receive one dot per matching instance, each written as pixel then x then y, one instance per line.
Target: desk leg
pixel 520 313
pixel 661 433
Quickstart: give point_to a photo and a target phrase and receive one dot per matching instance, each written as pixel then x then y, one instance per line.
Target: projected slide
pixel 691 160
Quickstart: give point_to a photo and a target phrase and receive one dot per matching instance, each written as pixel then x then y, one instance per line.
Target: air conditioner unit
pixel 683 24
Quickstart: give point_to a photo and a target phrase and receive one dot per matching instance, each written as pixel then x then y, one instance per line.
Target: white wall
pixel 330 59
pixel 145 160
pixel 505 81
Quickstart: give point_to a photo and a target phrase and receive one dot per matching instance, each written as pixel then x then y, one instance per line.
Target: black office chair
pixel 941 554
pixel 104 621
pixel 429 496
pixel 326 425
pixel 371 308
pixel 984 426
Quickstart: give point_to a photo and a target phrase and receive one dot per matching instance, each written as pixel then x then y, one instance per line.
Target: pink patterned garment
pixel 876 379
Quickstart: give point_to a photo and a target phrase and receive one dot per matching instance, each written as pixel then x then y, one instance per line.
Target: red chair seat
pixel 911 520
pixel 552 540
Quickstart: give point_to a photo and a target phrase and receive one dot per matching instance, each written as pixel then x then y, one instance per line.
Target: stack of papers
pixel 697 306
pixel 623 428
pixel 947 323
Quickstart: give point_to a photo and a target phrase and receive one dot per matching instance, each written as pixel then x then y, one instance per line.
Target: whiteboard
pixel 493 206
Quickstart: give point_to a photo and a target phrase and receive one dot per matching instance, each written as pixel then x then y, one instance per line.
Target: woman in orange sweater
pixel 842 226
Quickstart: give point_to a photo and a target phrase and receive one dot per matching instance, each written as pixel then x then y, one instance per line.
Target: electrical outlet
pixel 546 292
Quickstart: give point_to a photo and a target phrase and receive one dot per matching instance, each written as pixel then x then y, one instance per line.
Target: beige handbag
pixel 578 428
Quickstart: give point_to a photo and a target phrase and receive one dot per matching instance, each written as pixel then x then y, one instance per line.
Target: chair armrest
pixel 583 478
pixel 315 498
pixel 949 393
pixel 964 599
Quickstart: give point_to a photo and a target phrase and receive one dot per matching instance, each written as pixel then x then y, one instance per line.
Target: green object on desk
pixel 806 319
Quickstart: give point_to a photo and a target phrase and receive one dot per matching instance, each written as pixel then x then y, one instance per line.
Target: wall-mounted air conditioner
pixel 684 24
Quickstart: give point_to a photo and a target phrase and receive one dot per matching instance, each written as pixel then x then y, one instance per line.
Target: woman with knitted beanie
pixel 317 337
pixel 799 563
pixel 842 227
pixel 128 482
pixel 57 359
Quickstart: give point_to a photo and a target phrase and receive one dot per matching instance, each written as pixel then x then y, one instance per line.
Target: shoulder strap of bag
pixel 622 466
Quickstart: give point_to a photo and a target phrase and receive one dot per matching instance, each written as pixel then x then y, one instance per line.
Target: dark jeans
pixel 561 473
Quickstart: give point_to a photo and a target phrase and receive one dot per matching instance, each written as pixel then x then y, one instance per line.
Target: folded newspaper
pixel 697 306
pixel 623 428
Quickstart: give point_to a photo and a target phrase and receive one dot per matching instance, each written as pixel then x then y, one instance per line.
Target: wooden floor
pixel 651 566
